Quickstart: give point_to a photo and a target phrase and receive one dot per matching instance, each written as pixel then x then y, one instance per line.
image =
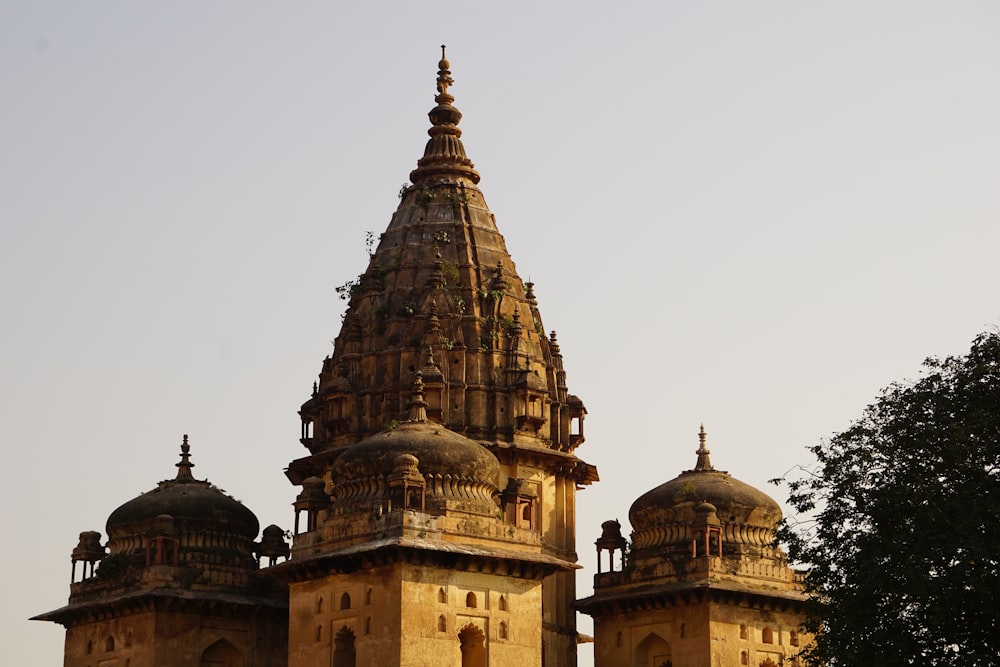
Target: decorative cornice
pixel 443 555
pixel 163 599
pixel 689 593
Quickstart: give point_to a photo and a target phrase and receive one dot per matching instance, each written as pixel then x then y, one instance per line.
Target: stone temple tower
pixel 436 518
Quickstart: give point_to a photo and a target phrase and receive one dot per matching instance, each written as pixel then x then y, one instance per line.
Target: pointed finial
pixel 704 462
pixel 433 322
pixel 418 406
pixel 497 282
pixel 436 279
pixel 185 465
pixel 444 156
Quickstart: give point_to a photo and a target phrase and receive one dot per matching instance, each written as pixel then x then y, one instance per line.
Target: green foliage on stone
pixel 903 554
pixel 112 566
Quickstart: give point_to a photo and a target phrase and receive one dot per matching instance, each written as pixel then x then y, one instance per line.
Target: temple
pixel 434 514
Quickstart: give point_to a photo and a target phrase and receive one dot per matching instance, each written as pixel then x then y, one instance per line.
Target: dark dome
pixel 662 517
pixel 194 506
pixel 185 501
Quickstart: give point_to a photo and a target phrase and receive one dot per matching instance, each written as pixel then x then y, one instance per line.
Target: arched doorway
pixel 653 651
pixel 472 641
pixel 221 654
pixel 343 648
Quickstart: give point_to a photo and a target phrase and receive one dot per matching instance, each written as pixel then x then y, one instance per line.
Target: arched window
pixel 442 596
pixel 109 644
pixel 319 633
pixel 368 597
pixel 470 601
pixel 743 632
pixel 442 623
pixel 345 601
pixel 744 658
pixel 502 603
pixel 767 636
pixel 618 638
pixel 90 647
pixel 221 654
pixel 319 605
pixel 343 648
pixel 503 631
pixel 472 642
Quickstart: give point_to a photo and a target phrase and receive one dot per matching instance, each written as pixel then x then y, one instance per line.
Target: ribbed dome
pixel 678 499
pixel 663 516
pixel 453 466
pixel 437 449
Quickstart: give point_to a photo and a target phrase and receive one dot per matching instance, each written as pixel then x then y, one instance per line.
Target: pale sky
pixel 748 214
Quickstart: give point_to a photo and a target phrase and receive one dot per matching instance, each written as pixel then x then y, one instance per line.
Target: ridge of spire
pixel 444 155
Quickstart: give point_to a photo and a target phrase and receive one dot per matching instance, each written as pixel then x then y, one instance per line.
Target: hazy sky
pixel 748 214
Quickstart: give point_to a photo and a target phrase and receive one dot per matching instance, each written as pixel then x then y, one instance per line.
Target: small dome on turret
pixel 206 518
pixel 659 516
pixel 454 466
pixel 183 498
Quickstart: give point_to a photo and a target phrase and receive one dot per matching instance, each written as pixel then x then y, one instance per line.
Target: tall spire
pixel 444 156
pixel 704 463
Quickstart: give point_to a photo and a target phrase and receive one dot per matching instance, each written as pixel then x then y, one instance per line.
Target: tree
pixel 904 545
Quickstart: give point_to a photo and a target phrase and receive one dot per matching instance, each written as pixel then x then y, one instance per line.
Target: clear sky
pixel 752 215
